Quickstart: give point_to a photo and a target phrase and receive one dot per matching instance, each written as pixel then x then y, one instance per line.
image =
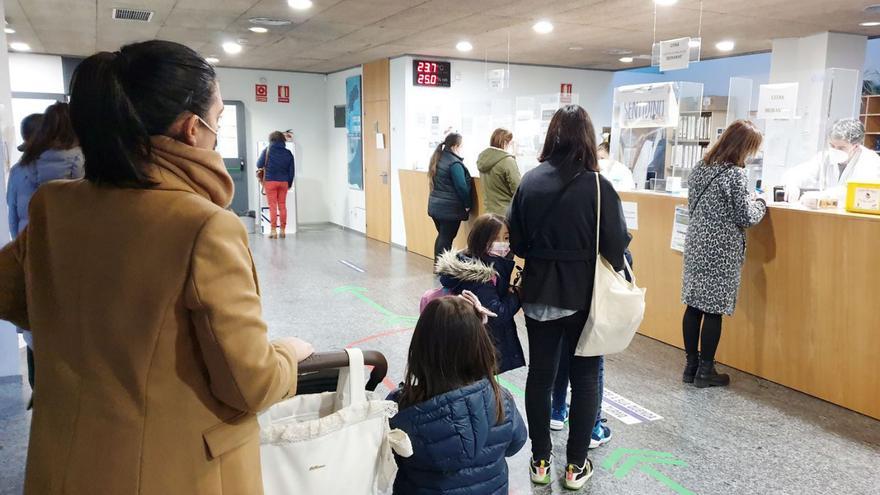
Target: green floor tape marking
pixel 391 317
pixel 662 478
pixel 629 460
pixel 510 386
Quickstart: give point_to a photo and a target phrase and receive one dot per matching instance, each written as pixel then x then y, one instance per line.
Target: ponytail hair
pixel 452 140
pixel 119 100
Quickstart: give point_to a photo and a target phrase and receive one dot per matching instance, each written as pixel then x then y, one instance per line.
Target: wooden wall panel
pixel 377 162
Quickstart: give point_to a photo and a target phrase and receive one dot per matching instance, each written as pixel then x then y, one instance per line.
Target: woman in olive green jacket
pixel 499 173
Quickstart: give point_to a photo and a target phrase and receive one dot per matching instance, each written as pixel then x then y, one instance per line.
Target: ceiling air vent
pixel 133 15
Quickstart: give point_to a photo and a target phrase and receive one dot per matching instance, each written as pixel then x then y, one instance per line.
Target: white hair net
pixel 849 130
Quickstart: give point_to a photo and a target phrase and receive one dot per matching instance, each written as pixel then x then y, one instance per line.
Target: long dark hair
pixel 571 140
pixel 452 140
pixel 739 141
pixel 54 133
pixel 450 349
pixel 484 231
pixel 120 99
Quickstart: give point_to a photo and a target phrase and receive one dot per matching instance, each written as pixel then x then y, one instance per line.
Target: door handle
pixel 242 165
pixel 384 176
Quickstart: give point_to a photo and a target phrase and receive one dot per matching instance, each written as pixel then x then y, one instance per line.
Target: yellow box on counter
pixel 863 197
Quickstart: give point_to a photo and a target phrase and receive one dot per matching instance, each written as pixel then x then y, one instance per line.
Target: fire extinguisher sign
pixel 261 92
pixel 283 94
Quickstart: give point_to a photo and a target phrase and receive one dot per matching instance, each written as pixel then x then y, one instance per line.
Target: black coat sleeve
pixel 516 226
pixel 613 235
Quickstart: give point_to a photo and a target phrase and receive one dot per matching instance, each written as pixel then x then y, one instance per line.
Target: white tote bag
pixel 333 442
pixel 618 305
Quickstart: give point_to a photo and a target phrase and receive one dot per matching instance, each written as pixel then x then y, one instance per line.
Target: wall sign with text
pixel 778 101
pixel 432 73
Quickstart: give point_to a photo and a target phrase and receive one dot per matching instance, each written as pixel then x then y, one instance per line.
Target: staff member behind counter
pixel 845 160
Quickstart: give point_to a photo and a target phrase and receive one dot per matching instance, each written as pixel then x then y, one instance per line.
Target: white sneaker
pixel 576 477
pixel 541 471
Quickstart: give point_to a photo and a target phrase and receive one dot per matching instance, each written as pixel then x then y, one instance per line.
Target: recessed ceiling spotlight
pixel 464 46
pixel 543 27
pixel 869 24
pixel 300 4
pixel 575 48
pixel 258 29
pixel 19 46
pixel 212 60
pixel 695 42
pixel 9 30
pixel 231 47
pixel 666 3
pixel 626 60
pixel 725 46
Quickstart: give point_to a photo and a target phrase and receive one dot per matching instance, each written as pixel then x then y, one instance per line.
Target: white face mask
pixel 500 249
pixel 836 156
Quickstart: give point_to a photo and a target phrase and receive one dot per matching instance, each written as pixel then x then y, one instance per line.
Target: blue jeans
pixel 560 386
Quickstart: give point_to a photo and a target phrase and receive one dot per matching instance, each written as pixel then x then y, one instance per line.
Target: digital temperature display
pixel 432 73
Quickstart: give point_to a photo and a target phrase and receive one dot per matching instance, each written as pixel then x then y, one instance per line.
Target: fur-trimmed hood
pixel 456 265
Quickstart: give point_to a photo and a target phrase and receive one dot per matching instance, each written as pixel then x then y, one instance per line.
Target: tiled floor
pixel 752 438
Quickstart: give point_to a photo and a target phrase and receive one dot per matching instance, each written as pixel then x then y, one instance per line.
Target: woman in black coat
pixel 451 196
pixel 553 227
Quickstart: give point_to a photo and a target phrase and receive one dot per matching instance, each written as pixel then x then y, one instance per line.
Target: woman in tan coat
pixel 141 293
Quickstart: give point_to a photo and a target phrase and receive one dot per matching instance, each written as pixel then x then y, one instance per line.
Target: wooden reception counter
pixel 420 230
pixel 808 315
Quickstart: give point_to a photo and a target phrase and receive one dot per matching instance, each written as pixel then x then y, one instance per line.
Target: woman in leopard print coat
pixel 721 208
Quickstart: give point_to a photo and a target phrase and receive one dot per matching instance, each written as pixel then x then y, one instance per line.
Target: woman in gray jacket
pixel 721 208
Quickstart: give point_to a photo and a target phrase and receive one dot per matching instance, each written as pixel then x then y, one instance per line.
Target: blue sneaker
pixel 601 434
pixel 558 417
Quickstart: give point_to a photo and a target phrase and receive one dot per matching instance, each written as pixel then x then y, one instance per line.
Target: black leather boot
pixel 708 377
pixel 690 368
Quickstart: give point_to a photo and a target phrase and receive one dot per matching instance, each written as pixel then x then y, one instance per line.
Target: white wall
pixel 9 351
pixel 306 114
pixel 470 105
pixel 347 205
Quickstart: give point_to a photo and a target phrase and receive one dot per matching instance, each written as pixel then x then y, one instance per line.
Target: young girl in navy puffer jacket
pixel 484 269
pixel 461 423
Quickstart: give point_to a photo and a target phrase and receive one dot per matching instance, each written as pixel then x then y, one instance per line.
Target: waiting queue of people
pixel 197 359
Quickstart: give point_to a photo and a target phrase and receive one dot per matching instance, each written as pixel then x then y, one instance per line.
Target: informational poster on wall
pixel 778 101
pixel 631 214
pixel 353 127
pixel 648 106
pixel 680 228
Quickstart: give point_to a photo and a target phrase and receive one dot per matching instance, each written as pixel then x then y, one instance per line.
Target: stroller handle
pixel 339 359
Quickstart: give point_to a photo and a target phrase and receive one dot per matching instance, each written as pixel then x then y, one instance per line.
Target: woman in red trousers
pixel 278 166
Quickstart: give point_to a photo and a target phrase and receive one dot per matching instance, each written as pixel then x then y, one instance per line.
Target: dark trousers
pixel 446 232
pixel 30 365
pixel 549 342
pixel 701 328
pixel 560 386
